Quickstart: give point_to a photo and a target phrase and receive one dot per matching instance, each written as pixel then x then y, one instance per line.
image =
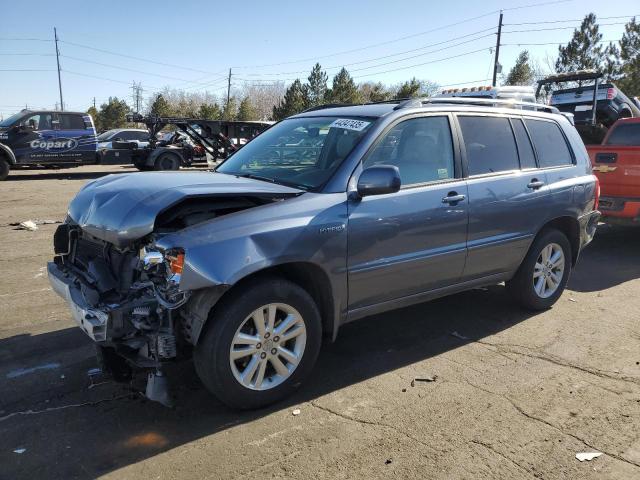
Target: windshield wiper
pixel 253 176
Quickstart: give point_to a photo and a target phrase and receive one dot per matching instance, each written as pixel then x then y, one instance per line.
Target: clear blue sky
pixel 202 39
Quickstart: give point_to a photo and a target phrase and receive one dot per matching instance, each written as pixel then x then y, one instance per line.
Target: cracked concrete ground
pixel 516 396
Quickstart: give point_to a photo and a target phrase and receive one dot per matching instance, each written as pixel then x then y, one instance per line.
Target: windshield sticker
pixel 349 124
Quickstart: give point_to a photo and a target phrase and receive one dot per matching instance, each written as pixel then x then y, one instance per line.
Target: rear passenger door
pixel 77 138
pixel 508 196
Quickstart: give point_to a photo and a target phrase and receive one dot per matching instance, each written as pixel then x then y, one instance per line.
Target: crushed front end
pixel 125 299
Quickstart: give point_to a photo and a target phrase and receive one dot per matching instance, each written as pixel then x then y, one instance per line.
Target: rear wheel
pixel 544 273
pixel 167 161
pixel 4 169
pixel 261 344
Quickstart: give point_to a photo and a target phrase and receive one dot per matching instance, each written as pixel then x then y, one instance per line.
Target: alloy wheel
pixel 548 270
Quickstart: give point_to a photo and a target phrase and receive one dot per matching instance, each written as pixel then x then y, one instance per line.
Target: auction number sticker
pixel 349 124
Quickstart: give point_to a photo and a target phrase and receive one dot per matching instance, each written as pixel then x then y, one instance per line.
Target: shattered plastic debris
pixel 28 225
pixel 458 335
pixel 427 379
pixel 296 412
pixel 20 450
pixel 588 456
pixel 572 299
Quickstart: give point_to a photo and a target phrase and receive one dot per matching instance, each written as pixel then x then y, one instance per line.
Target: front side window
pixel 625 134
pixel 301 152
pixel 39 121
pixel 421 148
pixel 489 144
pixel 550 144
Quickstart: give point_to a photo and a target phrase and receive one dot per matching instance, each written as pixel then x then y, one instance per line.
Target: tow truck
pixel 218 138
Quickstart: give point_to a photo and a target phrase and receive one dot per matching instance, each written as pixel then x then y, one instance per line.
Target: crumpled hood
pixel 123 207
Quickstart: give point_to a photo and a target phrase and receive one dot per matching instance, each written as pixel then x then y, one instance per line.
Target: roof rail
pixel 490 102
pixel 328 105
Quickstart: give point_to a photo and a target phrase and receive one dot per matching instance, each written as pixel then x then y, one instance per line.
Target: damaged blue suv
pixel 329 216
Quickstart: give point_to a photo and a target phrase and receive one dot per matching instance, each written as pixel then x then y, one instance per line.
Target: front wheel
pixel 4 169
pixel 262 342
pixel 167 161
pixel 544 273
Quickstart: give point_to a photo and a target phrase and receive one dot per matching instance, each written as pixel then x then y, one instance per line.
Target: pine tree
pixel 409 89
pixel 93 111
pixel 317 85
pixel 160 107
pixel 630 59
pixel 344 89
pixel 230 110
pixel 113 113
pixel 583 52
pixel 522 72
pixel 246 110
pixel 295 100
pixel 373 92
pixel 209 111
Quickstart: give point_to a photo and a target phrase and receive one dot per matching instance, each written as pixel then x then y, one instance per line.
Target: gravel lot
pixel 516 395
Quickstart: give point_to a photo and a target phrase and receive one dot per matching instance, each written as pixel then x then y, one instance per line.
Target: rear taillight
pixel 596 202
pixel 611 93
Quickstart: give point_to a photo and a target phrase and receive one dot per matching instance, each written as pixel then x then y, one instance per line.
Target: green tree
pixel 246 111
pixel 373 92
pixel 629 80
pixel 409 89
pixel 160 107
pixel 344 89
pixel 230 109
pixel 93 111
pixel 295 100
pixel 317 85
pixel 522 72
pixel 209 111
pixel 113 114
pixel 583 52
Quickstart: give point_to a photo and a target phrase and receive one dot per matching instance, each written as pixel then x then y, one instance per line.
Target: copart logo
pixel 57 145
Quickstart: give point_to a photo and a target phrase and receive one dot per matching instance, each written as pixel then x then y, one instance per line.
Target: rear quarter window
pixel 549 142
pixel 625 134
pixel 489 144
pixel 71 122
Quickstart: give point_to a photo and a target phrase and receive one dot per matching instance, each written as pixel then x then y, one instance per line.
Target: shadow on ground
pixel 88 440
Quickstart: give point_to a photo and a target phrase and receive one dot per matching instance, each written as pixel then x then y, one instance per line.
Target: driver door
pixel 413 241
pixel 31 137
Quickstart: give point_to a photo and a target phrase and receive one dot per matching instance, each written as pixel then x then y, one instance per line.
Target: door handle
pixel 535 184
pixel 453 197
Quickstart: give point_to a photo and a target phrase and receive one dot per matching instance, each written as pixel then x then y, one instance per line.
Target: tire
pixel 523 285
pixel 212 356
pixel 4 169
pixel 167 161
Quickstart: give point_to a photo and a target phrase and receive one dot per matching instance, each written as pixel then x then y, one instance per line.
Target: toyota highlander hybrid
pixel 329 216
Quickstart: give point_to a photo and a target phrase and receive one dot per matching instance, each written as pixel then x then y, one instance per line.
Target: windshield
pixel 301 152
pixel 7 122
pixel 103 137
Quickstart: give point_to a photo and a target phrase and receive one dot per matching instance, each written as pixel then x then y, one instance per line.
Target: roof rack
pixel 491 102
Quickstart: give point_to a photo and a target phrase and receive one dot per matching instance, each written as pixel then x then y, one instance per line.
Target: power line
pixel 546 43
pixel 335 67
pixel 572 20
pixel 23 39
pixel 559 28
pixel 139 58
pixel 28 54
pixel 26 70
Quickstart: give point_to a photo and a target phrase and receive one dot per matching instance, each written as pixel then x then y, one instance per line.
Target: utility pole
pixel 55 36
pixel 94 102
pixel 137 95
pixel 229 89
pixel 496 64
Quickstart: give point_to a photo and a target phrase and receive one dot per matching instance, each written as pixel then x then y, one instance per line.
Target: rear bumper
pixel 620 210
pixel 588 226
pixel 94 322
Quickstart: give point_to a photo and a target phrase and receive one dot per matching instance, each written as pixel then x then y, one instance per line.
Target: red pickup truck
pixel 616 163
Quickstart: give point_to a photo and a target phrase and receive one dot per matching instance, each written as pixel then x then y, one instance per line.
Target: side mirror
pixel 379 180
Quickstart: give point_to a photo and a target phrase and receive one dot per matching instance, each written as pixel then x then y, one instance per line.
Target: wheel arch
pixel 311 277
pixel 570 227
pixel 5 152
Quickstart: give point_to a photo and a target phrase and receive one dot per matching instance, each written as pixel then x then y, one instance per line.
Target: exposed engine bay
pixel 128 299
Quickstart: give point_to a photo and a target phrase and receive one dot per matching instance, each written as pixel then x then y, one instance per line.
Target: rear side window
pixel 489 144
pixel 71 122
pixel 525 150
pixel 549 142
pixel 625 134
